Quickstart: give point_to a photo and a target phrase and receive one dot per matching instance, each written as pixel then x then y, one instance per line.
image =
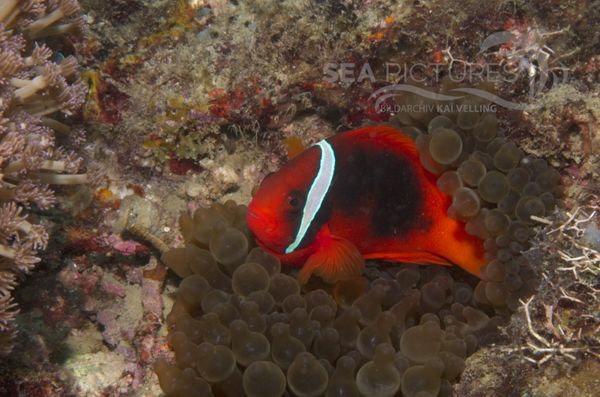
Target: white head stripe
pixel 316 193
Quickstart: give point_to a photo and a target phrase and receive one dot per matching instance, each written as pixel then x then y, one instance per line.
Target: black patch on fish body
pixel 380 183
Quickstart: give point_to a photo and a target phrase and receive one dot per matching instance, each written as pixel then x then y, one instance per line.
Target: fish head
pixel 277 208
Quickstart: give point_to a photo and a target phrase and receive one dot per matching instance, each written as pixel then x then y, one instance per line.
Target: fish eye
pixel 295 201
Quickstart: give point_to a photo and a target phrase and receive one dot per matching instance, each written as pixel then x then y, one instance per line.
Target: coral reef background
pixel 194 101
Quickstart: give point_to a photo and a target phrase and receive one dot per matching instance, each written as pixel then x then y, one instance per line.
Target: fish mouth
pixel 253 215
pixel 255 219
pixel 257 222
pixel 262 229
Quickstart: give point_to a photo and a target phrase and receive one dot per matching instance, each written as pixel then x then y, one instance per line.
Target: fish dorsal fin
pixel 335 259
pixel 386 135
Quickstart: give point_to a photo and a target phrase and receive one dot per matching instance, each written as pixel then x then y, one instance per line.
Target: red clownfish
pixel 358 195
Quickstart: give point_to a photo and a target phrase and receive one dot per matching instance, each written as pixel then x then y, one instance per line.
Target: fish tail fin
pixel 337 259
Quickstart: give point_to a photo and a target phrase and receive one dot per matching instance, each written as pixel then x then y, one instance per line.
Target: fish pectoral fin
pixel 337 259
pixel 418 257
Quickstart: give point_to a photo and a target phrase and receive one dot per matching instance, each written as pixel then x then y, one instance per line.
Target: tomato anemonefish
pixel 358 195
